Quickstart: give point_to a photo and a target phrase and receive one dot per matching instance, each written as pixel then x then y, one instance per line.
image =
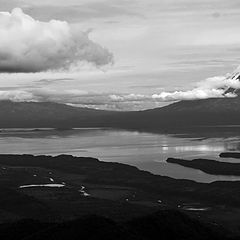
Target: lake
pixel 147 151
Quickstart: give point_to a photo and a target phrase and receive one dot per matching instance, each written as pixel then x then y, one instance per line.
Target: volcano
pixel 234 76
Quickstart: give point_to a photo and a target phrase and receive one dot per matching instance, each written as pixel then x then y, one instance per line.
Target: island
pixel 209 166
pixel 230 155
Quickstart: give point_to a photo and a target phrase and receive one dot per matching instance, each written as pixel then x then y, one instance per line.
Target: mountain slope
pixel 192 113
pixel 165 225
pixel 215 111
pixel 47 114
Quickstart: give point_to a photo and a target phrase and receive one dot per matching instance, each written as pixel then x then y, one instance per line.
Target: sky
pixel 118 54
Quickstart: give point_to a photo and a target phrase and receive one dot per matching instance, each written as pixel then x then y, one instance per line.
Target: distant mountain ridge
pixel 47 114
pixel 214 111
pixel 205 112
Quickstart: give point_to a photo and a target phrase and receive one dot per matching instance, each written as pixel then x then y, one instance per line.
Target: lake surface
pixel 148 151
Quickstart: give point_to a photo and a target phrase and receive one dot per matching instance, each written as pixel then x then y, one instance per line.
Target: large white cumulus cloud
pixel 28 45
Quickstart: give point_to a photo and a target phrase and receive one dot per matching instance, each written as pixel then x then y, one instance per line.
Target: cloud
pixel 189 95
pixel 128 97
pixel 79 98
pixel 16 95
pixel 214 87
pixel 28 45
pixel 73 96
pixel 80 11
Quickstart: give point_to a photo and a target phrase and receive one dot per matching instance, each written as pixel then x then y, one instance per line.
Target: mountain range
pixel 188 113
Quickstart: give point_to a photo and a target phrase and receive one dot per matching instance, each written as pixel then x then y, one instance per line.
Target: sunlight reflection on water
pixel 147 151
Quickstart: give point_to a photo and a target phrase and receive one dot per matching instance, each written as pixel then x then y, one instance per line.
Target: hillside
pixel 183 114
pixel 218 111
pixel 164 224
pixel 48 114
pixel 66 188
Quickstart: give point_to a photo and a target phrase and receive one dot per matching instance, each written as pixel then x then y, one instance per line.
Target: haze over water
pixel 147 151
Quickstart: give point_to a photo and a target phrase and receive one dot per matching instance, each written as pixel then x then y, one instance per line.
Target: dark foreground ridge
pixel 229 155
pixel 209 166
pixel 65 188
pixel 164 225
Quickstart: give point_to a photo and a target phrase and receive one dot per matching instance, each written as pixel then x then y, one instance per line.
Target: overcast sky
pixel 117 54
